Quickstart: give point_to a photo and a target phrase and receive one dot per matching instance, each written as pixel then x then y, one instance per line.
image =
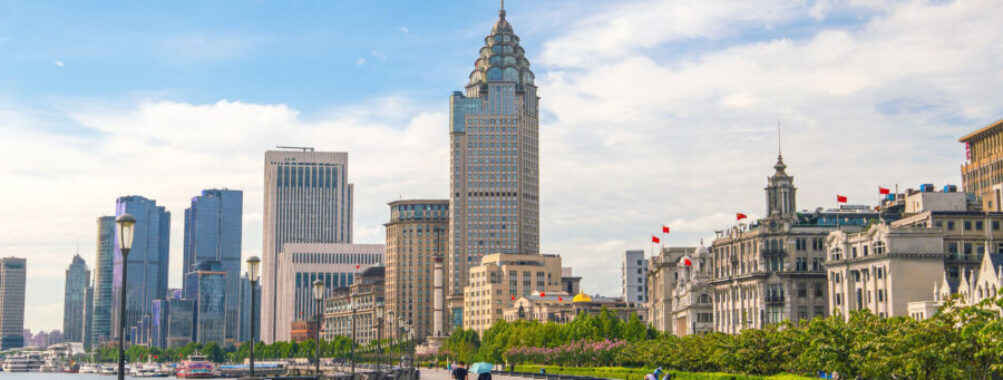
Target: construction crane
pixel 303 148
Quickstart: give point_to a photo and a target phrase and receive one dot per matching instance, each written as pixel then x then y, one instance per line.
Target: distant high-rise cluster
pixel 78 281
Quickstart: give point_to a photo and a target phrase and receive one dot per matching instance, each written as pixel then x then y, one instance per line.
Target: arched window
pixel 511 74
pixel 879 247
pixel 494 73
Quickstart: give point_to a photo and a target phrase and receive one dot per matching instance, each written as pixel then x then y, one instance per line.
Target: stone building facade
pixel 883 269
pixel 417 233
pixel 366 297
pixel 771 270
pixel 500 279
pixel 692 298
pixel 980 174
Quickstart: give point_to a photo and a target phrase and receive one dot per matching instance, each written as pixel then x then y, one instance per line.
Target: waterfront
pixel 67 376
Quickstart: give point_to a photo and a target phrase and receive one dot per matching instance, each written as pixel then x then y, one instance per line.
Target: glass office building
pixel 207 290
pixel 103 275
pixel 213 232
pixel 148 259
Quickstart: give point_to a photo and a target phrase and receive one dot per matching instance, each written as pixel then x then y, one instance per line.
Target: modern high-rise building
pixel 494 161
pixel 173 322
pixel 12 279
pixel 148 259
pixel 983 156
pixel 103 276
pixel 206 287
pixel 418 231
pixel 89 317
pixel 213 232
pixel 78 277
pixel 300 265
pixel 246 313
pixel 634 276
pixel 307 200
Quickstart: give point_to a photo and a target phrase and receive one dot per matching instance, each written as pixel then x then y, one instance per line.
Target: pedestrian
pixel 654 375
pixel 668 376
pixel 484 376
pixel 460 372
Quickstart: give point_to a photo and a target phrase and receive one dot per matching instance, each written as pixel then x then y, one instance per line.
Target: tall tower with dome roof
pixel 494 158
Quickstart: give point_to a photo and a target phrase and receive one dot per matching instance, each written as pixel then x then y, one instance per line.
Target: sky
pixel 653 111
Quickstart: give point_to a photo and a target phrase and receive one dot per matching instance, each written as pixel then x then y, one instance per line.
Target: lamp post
pixel 126 230
pixel 252 274
pixel 318 295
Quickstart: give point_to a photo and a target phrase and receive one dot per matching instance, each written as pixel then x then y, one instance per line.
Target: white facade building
pixel 634 276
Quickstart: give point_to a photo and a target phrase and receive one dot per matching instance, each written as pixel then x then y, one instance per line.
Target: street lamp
pixel 126 231
pixel 252 274
pixel 318 295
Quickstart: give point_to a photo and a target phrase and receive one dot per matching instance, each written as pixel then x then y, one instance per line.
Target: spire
pixel 501 13
pixel 780 166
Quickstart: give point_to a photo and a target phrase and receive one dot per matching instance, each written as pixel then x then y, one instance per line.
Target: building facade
pixel 213 226
pixel 307 200
pixel 771 270
pixel 692 296
pixel 88 333
pixel 634 276
pixel 494 158
pixel 500 279
pixel 148 259
pixel 417 233
pixel 78 277
pixel 246 313
pixel 173 323
pixel 302 264
pixel 206 288
pixel 663 275
pixel 12 280
pixel 882 269
pixel 981 174
pixel 366 297
pixel 103 276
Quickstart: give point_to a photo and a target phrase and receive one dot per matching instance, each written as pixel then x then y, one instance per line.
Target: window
pixel 978 225
pixel 950 225
pixel 968 225
pixel 803 291
pixel 819 289
pixel 996 225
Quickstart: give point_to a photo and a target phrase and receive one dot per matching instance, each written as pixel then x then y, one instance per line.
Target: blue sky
pixel 654 111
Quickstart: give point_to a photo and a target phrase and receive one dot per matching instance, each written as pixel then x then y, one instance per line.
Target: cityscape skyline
pixel 691 175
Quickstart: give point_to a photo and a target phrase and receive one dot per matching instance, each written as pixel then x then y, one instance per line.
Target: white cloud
pixel 58 63
pixel 360 61
pixel 170 151
pixel 379 55
pixel 404 30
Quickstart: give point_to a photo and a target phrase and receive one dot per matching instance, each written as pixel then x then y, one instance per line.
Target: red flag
pixel 740 216
pixel 654 239
pixel 559 298
pixel 884 191
pixel 687 262
pixel 542 294
pixel 513 297
pixel 356 267
pixel 665 229
pixel 840 199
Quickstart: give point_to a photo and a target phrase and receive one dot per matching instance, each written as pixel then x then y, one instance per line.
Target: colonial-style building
pixel 662 278
pixel 561 308
pixel 980 174
pixel 771 269
pixel 500 279
pixel 883 269
pixel 692 305
pixel 362 301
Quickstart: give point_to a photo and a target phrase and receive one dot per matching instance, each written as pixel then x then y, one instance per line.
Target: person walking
pixel 654 375
pixel 460 372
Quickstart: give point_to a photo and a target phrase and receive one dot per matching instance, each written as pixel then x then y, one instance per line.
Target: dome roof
pixel 501 58
pixel 581 297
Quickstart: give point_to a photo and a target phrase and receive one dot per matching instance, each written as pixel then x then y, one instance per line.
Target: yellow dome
pixel 582 297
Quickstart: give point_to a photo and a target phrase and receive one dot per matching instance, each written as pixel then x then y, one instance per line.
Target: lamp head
pixel 253 267
pixel 126 231
pixel 318 290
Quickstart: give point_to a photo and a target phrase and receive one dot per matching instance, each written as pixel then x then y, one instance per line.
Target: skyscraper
pixel 494 158
pixel 78 277
pixel 307 200
pixel 206 287
pixel 416 233
pixel 148 259
pixel 12 277
pixel 103 276
pixel 635 276
pixel 88 334
pixel 213 232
